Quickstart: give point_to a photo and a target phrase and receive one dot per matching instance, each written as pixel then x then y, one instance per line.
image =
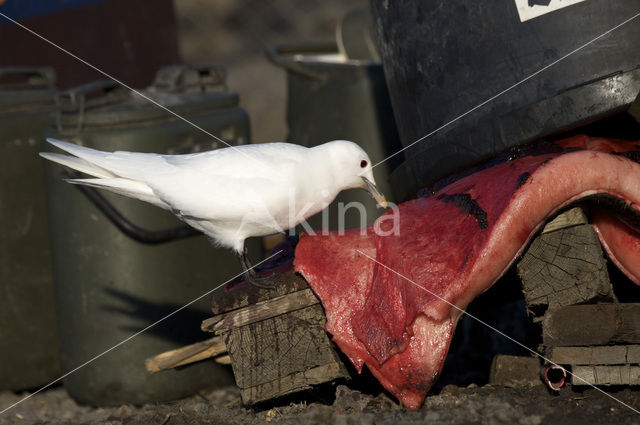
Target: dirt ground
pixel 525 405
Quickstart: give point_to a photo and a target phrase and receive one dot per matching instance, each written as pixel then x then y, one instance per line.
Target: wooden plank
pixel 243 295
pixel 511 371
pixel 275 338
pixel 573 217
pixel 185 355
pixel 564 265
pixel 280 346
pixel 292 383
pixel 606 375
pixel 260 311
pixel 595 355
pixel 633 354
pixel 226 359
pixel 595 324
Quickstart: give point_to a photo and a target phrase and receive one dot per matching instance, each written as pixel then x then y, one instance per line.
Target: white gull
pixel 230 194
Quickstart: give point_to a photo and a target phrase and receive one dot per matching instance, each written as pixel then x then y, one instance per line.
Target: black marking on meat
pixel 534 149
pixel 522 178
pixel 468 206
pixel 632 155
pixel 511 154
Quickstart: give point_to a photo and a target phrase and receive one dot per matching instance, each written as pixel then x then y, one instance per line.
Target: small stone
pixel 123 412
pixel 450 389
pixel 271 415
pixel 531 420
pixel 350 400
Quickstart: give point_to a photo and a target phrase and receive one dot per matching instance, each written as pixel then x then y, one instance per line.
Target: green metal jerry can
pixel 28 332
pixel 118 273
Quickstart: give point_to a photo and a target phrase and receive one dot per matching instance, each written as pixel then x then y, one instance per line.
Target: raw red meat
pixel 620 240
pixel 395 311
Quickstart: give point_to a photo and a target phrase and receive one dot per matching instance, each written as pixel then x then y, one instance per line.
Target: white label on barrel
pixel 529 9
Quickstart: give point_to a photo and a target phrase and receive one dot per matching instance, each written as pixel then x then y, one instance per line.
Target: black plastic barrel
pixel 442 59
pixel 112 283
pixel 331 96
pixel 28 331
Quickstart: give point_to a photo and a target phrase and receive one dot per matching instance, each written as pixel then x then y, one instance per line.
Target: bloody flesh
pixel 392 301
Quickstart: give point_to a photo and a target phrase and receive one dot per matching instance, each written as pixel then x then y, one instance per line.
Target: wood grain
pixel 185 355
pixel 260 311
pixel 596 324
pixel 564 265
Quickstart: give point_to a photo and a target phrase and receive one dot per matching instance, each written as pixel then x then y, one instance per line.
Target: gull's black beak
pixel 373 191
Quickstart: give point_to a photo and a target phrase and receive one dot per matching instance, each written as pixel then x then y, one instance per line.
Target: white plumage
pixel 229 194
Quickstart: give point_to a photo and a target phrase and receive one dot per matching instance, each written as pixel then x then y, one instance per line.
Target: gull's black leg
pixel 250 275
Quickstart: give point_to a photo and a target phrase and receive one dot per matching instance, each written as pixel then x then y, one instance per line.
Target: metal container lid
pixel 26 88
pixel 354 47
pixel 185 90
pixel 318 61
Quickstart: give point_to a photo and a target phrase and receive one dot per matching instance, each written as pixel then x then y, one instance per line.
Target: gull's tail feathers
pixel 126 187
pixel 85 160
pixel 88 154
pixel 130 165
pixel 78 164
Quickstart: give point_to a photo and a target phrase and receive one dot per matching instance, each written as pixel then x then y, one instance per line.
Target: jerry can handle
pixel 127 227
pixel 185 78
pixel 36 76
pixel 77 99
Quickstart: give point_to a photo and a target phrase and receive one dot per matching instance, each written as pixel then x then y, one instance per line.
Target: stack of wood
pixel 598 342
pixel 567 288
pixel 274 339
pixel 564 265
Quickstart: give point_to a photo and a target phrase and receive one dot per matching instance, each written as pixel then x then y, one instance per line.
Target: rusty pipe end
pixel 554 376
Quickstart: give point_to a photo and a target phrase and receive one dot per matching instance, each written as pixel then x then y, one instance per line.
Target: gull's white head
pixel 352 168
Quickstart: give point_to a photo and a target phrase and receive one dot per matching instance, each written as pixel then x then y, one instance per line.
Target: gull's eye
pixel 363 163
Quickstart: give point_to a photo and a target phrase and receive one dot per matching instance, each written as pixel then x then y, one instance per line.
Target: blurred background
pixel 131 40
pixel 224 31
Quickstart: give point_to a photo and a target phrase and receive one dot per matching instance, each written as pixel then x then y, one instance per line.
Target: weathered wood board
pixel 185 355
pixel 596 355
pixel 564 265
pixel 606 375
pixel 283 354
pixel 260 311
pixel 276 339
pixel 229 300
pixel 595 324
pixel 512 371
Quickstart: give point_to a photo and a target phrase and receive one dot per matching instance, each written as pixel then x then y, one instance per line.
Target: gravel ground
pixel 525 405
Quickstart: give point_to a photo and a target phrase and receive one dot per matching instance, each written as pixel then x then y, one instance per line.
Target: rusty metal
pixel 550 380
